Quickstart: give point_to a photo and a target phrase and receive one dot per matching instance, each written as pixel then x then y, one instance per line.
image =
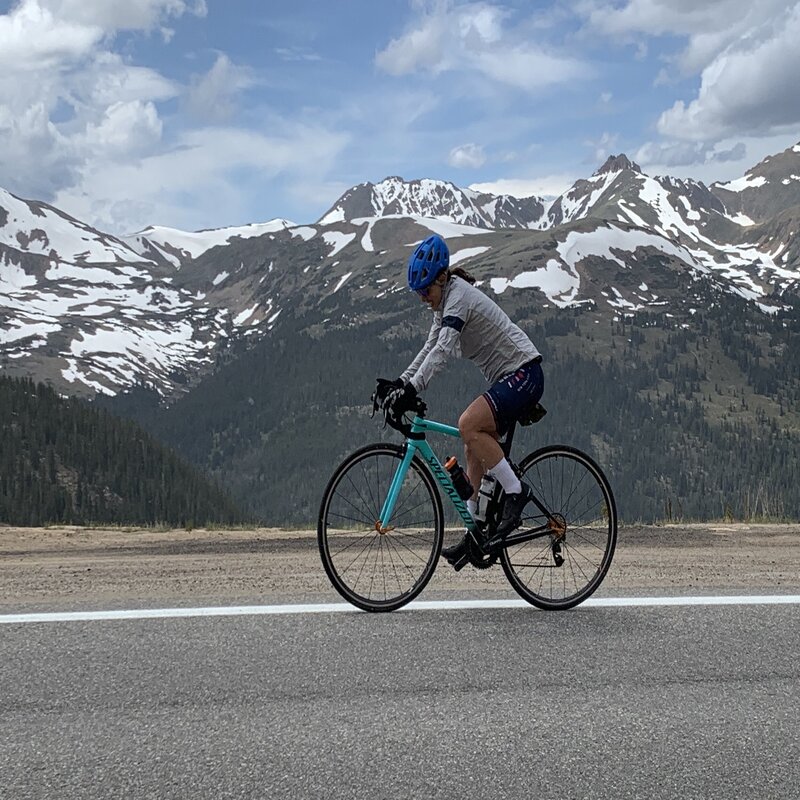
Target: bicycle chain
pixel 479 560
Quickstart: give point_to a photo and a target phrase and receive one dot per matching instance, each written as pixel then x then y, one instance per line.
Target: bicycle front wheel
pixel 564 567
pixel 374 570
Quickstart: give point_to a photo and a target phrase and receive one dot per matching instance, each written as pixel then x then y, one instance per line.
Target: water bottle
pixel 485 494
pixel 459 478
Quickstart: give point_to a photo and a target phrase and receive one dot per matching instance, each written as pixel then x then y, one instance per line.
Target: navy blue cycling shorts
pixel 514 393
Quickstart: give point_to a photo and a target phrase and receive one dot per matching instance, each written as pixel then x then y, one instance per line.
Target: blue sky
pixel 204 113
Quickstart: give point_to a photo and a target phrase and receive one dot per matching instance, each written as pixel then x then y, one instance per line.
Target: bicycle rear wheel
pixel 562 569
pixel 372 570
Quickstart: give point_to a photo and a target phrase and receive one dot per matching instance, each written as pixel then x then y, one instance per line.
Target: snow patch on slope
pixel 602 240
pixel 746 182
pixel 194 244
pixel 305 232
pixel 13 277
pixel 466 253
pixel 558 283
pixel 337 241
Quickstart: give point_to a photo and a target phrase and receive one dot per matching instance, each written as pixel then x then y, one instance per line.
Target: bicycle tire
pixel 358 559
pixel 559 476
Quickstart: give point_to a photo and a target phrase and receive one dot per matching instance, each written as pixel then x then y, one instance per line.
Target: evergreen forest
pixel 62 461
pixel 691 419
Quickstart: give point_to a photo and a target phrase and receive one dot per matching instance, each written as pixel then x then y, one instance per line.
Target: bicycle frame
pixel 416 443
pixel 421 446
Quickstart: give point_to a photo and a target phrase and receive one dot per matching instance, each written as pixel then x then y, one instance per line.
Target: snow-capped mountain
pixel 97 313
pixel 436 200
pixel 766 190
pixel 28 226
pixel 713 238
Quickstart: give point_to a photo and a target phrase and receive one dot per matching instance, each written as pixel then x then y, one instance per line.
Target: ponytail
pixel 460 272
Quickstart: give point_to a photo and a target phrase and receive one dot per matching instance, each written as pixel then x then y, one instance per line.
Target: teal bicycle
pixel 381 522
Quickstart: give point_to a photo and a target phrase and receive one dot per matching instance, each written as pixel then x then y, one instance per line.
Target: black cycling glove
pixel 401 399
pixel 382 389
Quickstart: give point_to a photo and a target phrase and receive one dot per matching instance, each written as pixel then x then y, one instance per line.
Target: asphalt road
pixel 673 702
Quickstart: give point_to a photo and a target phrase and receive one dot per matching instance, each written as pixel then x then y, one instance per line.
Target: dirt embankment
pixel 64 568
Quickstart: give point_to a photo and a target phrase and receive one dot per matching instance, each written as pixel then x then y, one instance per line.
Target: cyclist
pixel 467 323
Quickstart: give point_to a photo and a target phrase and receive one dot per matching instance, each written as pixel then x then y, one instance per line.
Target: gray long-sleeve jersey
pixel 470 324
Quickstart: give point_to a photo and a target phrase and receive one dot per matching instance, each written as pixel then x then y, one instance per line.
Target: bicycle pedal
pixel 460 562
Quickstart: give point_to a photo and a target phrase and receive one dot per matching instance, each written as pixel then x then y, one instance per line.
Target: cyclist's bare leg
pixel 479 433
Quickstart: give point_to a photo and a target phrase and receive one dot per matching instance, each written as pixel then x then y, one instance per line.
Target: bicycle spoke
pixel 352 519
pixel 354 506
pixel 413 553
pixel 367 549
pixel 411 572
pixel 396 516
pixel 387 572
pixel 361 498
pixel 352 544
pixel 569 486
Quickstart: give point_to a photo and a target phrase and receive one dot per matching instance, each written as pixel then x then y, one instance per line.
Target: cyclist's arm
pixel 446 346
pixel 433 335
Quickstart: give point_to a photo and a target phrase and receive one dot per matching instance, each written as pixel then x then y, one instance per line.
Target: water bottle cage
pixel 487 501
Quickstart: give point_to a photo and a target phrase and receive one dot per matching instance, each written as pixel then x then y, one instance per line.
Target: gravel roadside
pixel 91 568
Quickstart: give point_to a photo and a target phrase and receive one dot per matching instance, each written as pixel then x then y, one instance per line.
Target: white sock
pixel 507 477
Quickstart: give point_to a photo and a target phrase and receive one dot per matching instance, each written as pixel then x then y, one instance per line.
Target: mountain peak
pixel 617 164
pixel 438 199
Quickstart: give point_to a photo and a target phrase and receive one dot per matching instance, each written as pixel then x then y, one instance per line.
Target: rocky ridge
pixel 91 312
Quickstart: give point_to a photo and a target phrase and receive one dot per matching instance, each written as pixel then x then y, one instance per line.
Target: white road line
pixel 420 605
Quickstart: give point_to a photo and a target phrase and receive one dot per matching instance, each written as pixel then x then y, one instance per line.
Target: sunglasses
pixel 426 291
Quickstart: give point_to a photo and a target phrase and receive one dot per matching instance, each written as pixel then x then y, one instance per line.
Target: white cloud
pixel 474 38
pixel 297 54
pixel 723 161
pixel 54 120
pixel 751 87
pixel 46 34
pixel 66 98
pixel 127 128
pixel 107 79
pixel 31 38
pixel 191 185
pixel 710 26
pixel 747 57
pixel 684 153
pixel 468 156
pixel 212 96
pixel 80 125
pixel 603 146
pixel 670 154
pixel 116 15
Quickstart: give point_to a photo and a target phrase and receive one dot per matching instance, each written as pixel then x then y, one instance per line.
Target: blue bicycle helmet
pixel 427 262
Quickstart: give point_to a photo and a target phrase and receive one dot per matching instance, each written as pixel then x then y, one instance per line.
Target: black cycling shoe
pixel 457 555
pixel 513 507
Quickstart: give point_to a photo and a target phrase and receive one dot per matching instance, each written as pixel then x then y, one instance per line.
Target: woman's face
pixel 433 294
